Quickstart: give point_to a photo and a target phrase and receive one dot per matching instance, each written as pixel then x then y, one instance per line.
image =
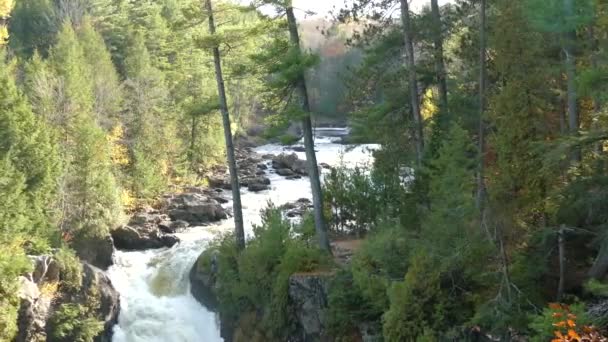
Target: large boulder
pixel 308 297
pixel 109 299
pixel 33 312
pixel 141 238
pixel 42 294
pixel 96 250
pixel 290 162
pixel 203 280
pixel 258 184
pixel 195 209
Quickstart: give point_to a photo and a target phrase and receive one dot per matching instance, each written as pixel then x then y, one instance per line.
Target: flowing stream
pixel 156 304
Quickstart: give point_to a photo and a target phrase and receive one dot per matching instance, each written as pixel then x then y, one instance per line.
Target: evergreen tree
pixel 148 129
pixel 28 167
pixel 106 85
pixel 290 80
pixel 33 26
pixel 239 230
pixel 88 192
pixel 516 111
pixel 27 139
pixel 41 85
pixel 75 88
pixel 410 63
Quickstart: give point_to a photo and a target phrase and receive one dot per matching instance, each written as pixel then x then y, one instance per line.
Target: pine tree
pixel 517 109
pixel 33 26
pixel 41 85
pixel 89 194
pixel 106 85
pixel 239 230
pixel 413 81
pixel 75 93
pixel 148 130
pixel 290 80
pixel 33 152
pixel 28 171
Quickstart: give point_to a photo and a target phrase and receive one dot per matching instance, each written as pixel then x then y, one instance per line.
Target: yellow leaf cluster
pixel 5 9
pixel 6 6
pixel 428 108
pixel 118 151
pixel 49 290
pixel 128 201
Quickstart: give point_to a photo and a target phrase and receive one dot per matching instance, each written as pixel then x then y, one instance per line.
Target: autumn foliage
pixel 566 328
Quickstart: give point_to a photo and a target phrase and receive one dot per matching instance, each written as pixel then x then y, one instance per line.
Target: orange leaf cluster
pixel 566 328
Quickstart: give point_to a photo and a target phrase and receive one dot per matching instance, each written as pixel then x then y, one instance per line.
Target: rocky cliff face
pixel 308 295
pixel 41 295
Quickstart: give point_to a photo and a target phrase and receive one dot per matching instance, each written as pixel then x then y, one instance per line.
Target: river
pixel 156 304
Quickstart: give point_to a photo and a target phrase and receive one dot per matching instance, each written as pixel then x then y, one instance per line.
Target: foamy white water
pixel 156 304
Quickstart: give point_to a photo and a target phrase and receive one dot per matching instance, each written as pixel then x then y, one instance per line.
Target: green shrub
pixel 543 326
pixel 347 307
pixel 418 305
pixel 257 279
pixel 13 263
pixel 353 200
pixel 75 323
pixel 383 258
pixel 71 269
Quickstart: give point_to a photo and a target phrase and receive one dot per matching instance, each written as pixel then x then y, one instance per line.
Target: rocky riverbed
pixel 149 259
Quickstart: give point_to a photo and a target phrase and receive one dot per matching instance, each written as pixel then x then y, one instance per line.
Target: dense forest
pixel 483 217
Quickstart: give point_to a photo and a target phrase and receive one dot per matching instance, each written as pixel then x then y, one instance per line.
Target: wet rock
pixel 285 172
pixel 172 227
pixel 293 177
pixel 325 166
pixel 260 173
pixel 109 299
pixel 33 312
pixel 262 167
pixel 291 162
pixel 195 209
pixel 297 208
pixel 298 148
pixel 257 187
pixel 141 238
pixel 203 280
pixel 220 199
pixel 220 183
pixel 46 269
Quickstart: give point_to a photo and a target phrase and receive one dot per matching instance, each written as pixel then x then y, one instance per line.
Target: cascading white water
pixel 156 304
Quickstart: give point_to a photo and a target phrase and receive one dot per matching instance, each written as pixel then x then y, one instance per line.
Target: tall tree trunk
pixel 309 144
pixel 481 188
pixel 413 81
pixel 442 83
pixel 239 230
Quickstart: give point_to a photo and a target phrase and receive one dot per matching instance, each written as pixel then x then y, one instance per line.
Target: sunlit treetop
pixel 5 9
